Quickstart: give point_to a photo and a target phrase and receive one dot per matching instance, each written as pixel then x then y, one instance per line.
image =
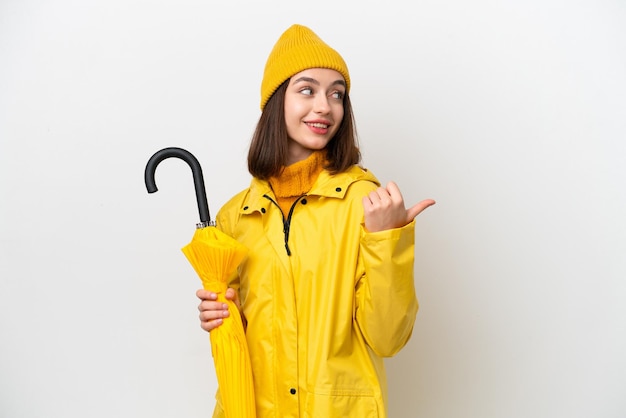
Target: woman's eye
pixel 307 90
pixel 337 95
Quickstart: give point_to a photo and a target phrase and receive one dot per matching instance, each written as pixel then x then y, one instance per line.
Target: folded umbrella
pixel 215 256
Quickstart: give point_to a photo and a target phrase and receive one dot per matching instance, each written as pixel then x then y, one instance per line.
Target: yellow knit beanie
pixel 298 49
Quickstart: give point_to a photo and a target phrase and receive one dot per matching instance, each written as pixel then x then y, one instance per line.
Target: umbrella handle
pixel 196 169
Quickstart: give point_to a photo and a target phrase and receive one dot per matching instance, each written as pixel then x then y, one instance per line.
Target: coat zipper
pixel 286 222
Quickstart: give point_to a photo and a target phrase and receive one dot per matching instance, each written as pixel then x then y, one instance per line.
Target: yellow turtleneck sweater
pixel 297 179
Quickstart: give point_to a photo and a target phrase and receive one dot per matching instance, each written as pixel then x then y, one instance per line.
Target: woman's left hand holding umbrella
pixel 212 312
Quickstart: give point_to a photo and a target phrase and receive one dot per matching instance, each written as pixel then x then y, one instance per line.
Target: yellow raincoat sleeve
pixel 386 304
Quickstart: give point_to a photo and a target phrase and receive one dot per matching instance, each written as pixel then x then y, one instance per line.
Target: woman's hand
pixel 212 312
pixel 384 209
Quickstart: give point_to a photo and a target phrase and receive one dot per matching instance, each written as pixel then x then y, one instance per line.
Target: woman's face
pixel 313 110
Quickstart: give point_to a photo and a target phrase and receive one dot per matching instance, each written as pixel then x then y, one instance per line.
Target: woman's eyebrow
pixel 307 79
pixel 317 83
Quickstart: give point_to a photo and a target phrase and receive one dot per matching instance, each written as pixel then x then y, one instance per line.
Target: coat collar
pixel 326 185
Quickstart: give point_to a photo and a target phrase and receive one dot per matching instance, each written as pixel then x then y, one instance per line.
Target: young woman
pixel 327 288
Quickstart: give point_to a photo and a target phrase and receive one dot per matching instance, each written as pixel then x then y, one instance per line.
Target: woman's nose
pixel 321 104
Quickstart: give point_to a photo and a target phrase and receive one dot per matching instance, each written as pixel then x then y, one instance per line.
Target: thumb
pixel 418 208
pixel 231 294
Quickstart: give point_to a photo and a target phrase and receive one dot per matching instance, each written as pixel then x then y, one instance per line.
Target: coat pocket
pixel 343 405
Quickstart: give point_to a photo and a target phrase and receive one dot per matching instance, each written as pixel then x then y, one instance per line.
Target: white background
pixel 512 115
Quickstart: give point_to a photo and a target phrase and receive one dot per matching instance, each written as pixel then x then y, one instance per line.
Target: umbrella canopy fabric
pixel 214 256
